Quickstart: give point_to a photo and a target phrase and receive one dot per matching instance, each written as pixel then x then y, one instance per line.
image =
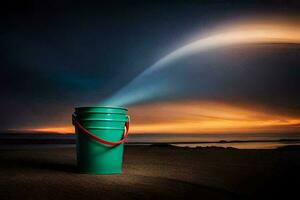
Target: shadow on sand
pixel 39 164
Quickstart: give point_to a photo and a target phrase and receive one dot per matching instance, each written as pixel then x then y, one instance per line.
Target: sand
pixel 151 173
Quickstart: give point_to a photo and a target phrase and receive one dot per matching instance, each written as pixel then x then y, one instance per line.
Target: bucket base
pixel 100 173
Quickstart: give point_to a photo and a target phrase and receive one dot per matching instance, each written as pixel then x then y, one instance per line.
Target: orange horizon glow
pixel 198 117
pixel 54 129
pixel 209 117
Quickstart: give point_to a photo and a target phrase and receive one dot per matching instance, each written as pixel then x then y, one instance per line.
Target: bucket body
pixel 107 123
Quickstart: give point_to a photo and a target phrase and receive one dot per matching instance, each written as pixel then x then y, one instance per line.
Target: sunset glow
pixel 199 117
pixel 208 117
pixel 61 129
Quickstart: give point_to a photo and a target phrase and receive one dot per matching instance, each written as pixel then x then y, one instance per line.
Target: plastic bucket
pixel 100 136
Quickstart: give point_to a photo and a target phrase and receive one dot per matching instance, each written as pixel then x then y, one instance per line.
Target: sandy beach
pixel 152 172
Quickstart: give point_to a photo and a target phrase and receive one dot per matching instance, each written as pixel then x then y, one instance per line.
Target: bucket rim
pixel 103 128
pixel 105 120
pixel 111 107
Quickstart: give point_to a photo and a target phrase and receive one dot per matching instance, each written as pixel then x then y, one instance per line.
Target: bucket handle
pixel 126 129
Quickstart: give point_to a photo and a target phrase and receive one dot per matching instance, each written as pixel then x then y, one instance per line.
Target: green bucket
pixel 100 136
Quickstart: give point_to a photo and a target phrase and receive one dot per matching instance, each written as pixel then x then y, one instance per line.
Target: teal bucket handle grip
pixel 126 129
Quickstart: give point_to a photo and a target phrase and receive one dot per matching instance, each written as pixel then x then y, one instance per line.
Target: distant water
pixel 240 141
pixel 239 145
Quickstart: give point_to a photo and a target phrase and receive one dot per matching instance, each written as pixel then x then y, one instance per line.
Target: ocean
pixel 240 141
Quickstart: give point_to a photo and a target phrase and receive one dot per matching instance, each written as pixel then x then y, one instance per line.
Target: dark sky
pixel 61 54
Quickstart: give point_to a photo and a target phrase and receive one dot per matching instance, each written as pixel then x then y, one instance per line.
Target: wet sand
pixel 151 173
